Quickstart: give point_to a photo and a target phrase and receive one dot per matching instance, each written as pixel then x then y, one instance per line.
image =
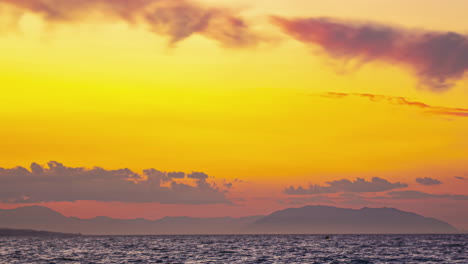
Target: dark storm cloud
pixel 57 182
pixel 439 59
pixel 411 195
pixel 178 19
pixel 428 181
pixel 402 101
pixel 358 186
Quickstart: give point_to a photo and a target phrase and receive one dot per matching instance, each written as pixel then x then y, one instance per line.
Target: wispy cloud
pixel 410 195
pixel 439 59
pixel 56 182
pixel 307 200
pixel 178 19
pixel 357 186
pixel 356 199
pixel 402 101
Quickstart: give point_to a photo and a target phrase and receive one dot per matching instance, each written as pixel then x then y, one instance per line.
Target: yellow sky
pixel 118 96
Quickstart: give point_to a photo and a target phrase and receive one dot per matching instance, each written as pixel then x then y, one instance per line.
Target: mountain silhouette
pixel 333 220
pixel 304 220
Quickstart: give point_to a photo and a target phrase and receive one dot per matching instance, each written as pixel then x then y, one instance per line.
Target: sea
pixel 353 249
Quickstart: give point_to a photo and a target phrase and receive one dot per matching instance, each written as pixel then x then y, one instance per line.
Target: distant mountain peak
pixel 34 210
pixel 318 219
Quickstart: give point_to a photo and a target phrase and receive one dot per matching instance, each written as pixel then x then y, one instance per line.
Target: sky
pixel 153 108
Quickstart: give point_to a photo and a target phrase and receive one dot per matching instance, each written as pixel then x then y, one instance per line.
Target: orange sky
pixel 233 100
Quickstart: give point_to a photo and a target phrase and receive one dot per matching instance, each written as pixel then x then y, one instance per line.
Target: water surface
pixel 361 249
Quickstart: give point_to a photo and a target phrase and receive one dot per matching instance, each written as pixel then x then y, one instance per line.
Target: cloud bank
pixel 178 19
pixel 358 186
pixel 56 182
pixel 439 59
pixel 428 181
pixel 402 101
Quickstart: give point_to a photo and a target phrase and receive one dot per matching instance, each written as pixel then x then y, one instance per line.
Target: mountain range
pixel 304 220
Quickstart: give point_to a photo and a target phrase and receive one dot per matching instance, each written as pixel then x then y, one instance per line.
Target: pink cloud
pixel 439 59
pixel 177 19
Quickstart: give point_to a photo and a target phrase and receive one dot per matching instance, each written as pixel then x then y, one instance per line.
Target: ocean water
pixel 237 249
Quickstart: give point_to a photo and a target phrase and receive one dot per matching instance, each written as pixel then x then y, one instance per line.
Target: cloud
pixel 230 184
pixel 307 200
pixel 198 175
pixel 57 182
pixel 355 199
pixel 358 186
pixel 176 175
pixel 411 195
pixel 402 101
pixel 460 178
pixel 428 181
pixel 177 19
pixel 342 198
pixel 439 59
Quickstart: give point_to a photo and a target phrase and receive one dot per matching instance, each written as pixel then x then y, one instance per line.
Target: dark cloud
pixel 198 175
pixel 460 178
pixel 57 182
pixel 411 195
pixel 402 101
pixel 439 59
pixel 428 181
pixel 176 175
pixel 358 186
pixel 177 19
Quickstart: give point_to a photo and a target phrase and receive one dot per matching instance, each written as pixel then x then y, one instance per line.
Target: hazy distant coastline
pixel 29 232
pixel 304 220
